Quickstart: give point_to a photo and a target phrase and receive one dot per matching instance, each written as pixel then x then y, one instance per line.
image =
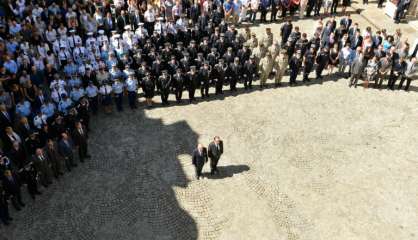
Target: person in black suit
pixel 11 185
pixel 51 151
pixel 29 176
pixel 43 167
pixel 65 148
pixel 80 139
pixel 6 118
pixel 199 158
pixel 215 150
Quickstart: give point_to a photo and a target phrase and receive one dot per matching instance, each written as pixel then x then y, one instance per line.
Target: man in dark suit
pixel 65 148
pixel 215 150
pixel 51 151
pixel 43 167
pixel 12 187
pixel 6 118
pixel 199 158
pixel 80 139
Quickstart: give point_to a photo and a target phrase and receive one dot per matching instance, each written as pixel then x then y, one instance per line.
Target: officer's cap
pixel 113 32
pixel 192 41
pixel 222 34
pixel 89 34
pixel 127 27
pixel 179 43
pixel 160 18
pixel 213 49
pixel 101 31
pixel 72 31
pixel 229 48
pixel 117 35
pixel 193 67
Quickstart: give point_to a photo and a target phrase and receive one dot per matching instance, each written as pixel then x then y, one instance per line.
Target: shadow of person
pixel 227 171
pixel 125 191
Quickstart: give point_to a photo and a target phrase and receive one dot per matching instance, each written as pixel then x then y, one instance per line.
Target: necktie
pixel 81 131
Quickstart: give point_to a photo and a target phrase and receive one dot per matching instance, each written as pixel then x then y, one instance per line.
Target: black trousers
pixel 263 15
pixel 334 6
pixel 273 14
pixel 309 8
pixel 392 80
pixel 408 82
pixel 317 9
pixel 69 162
pixel 306 72
pixel 119 101
pixel 191 94
pixel 319 72
pixel 179 93
pixel 218 86
pixel 248 82
pixel 214 165
pixel 82 152
pixel 94 103
pixel 132 99
pixel 198 170
pixel 16 199
pixel 233 83
pixel 204 90
pixel 4 213
pixel 164 95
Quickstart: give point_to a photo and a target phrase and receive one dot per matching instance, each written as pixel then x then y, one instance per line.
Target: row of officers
pixel 196 78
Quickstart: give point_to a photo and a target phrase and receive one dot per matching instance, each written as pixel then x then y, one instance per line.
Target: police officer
pixel 204 73
pixel 250 72
pixel 117 88
pixel 178 84
pixel 132 87
pixel 295 63
pixel 164 83
pixel 92 94
pixel 308 62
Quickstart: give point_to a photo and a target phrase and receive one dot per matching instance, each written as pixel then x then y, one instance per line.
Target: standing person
pixel 398 70
pixel 235 70
pixel 385 67
pixel 371 71
pixel 53 156
pixel 192 83
pixel 317 8
pixel 295 63
pixel 164 83
pixel 204 73
pixel 265 66
pixel 199 158
pixel 308 62
pixel 131 84
pixel 80 139
pixel 411 70
pixel 401 7
pixel 220 70
pixel 65 148
pixel 178 84
pixel 334 7
pixel 302 7
pixel 215 150
pixel 333 59
pixel 117 88
pixel 356 69
pixel 43 167
pixel 11 186
pixel 105 92
pixel 148 87
pixel 254 4
pixel 322 60
pixel 250 72
pixel 285 31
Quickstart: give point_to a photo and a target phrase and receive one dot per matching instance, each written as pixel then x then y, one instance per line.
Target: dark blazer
pixel 64 149
pixel 11 187
pixel 78 138
pixel 214 152
pixel 5 122
pixel 199 160
pixel 38 103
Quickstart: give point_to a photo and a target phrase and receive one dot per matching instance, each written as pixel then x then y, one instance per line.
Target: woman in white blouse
pixel 51 34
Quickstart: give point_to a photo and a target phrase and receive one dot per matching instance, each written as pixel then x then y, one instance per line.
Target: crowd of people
pixel 65 60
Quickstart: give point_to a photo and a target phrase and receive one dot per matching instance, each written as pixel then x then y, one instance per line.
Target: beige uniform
pixel 268 40
pixel 282 62
pixel 265 67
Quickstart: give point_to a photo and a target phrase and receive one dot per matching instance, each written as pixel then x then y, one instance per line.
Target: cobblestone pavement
pixel 309 162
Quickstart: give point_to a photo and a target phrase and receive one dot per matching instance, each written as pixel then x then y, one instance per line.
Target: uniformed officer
pixel 91 40
pixel 265 66
pixel 92 94
pixel 105 92
pixel 192 82
pixel 48 108
pixel 40 120
pixel 77 93
pixel 178 84
pixel 204 74
pixel 308 62
pixel 268 38
pixel 283 61
pixel 65 104
pixel 102 39
pixel 250 72
pixel 164 83
pixel 117 88
pixel 132 88
pixel 295 64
